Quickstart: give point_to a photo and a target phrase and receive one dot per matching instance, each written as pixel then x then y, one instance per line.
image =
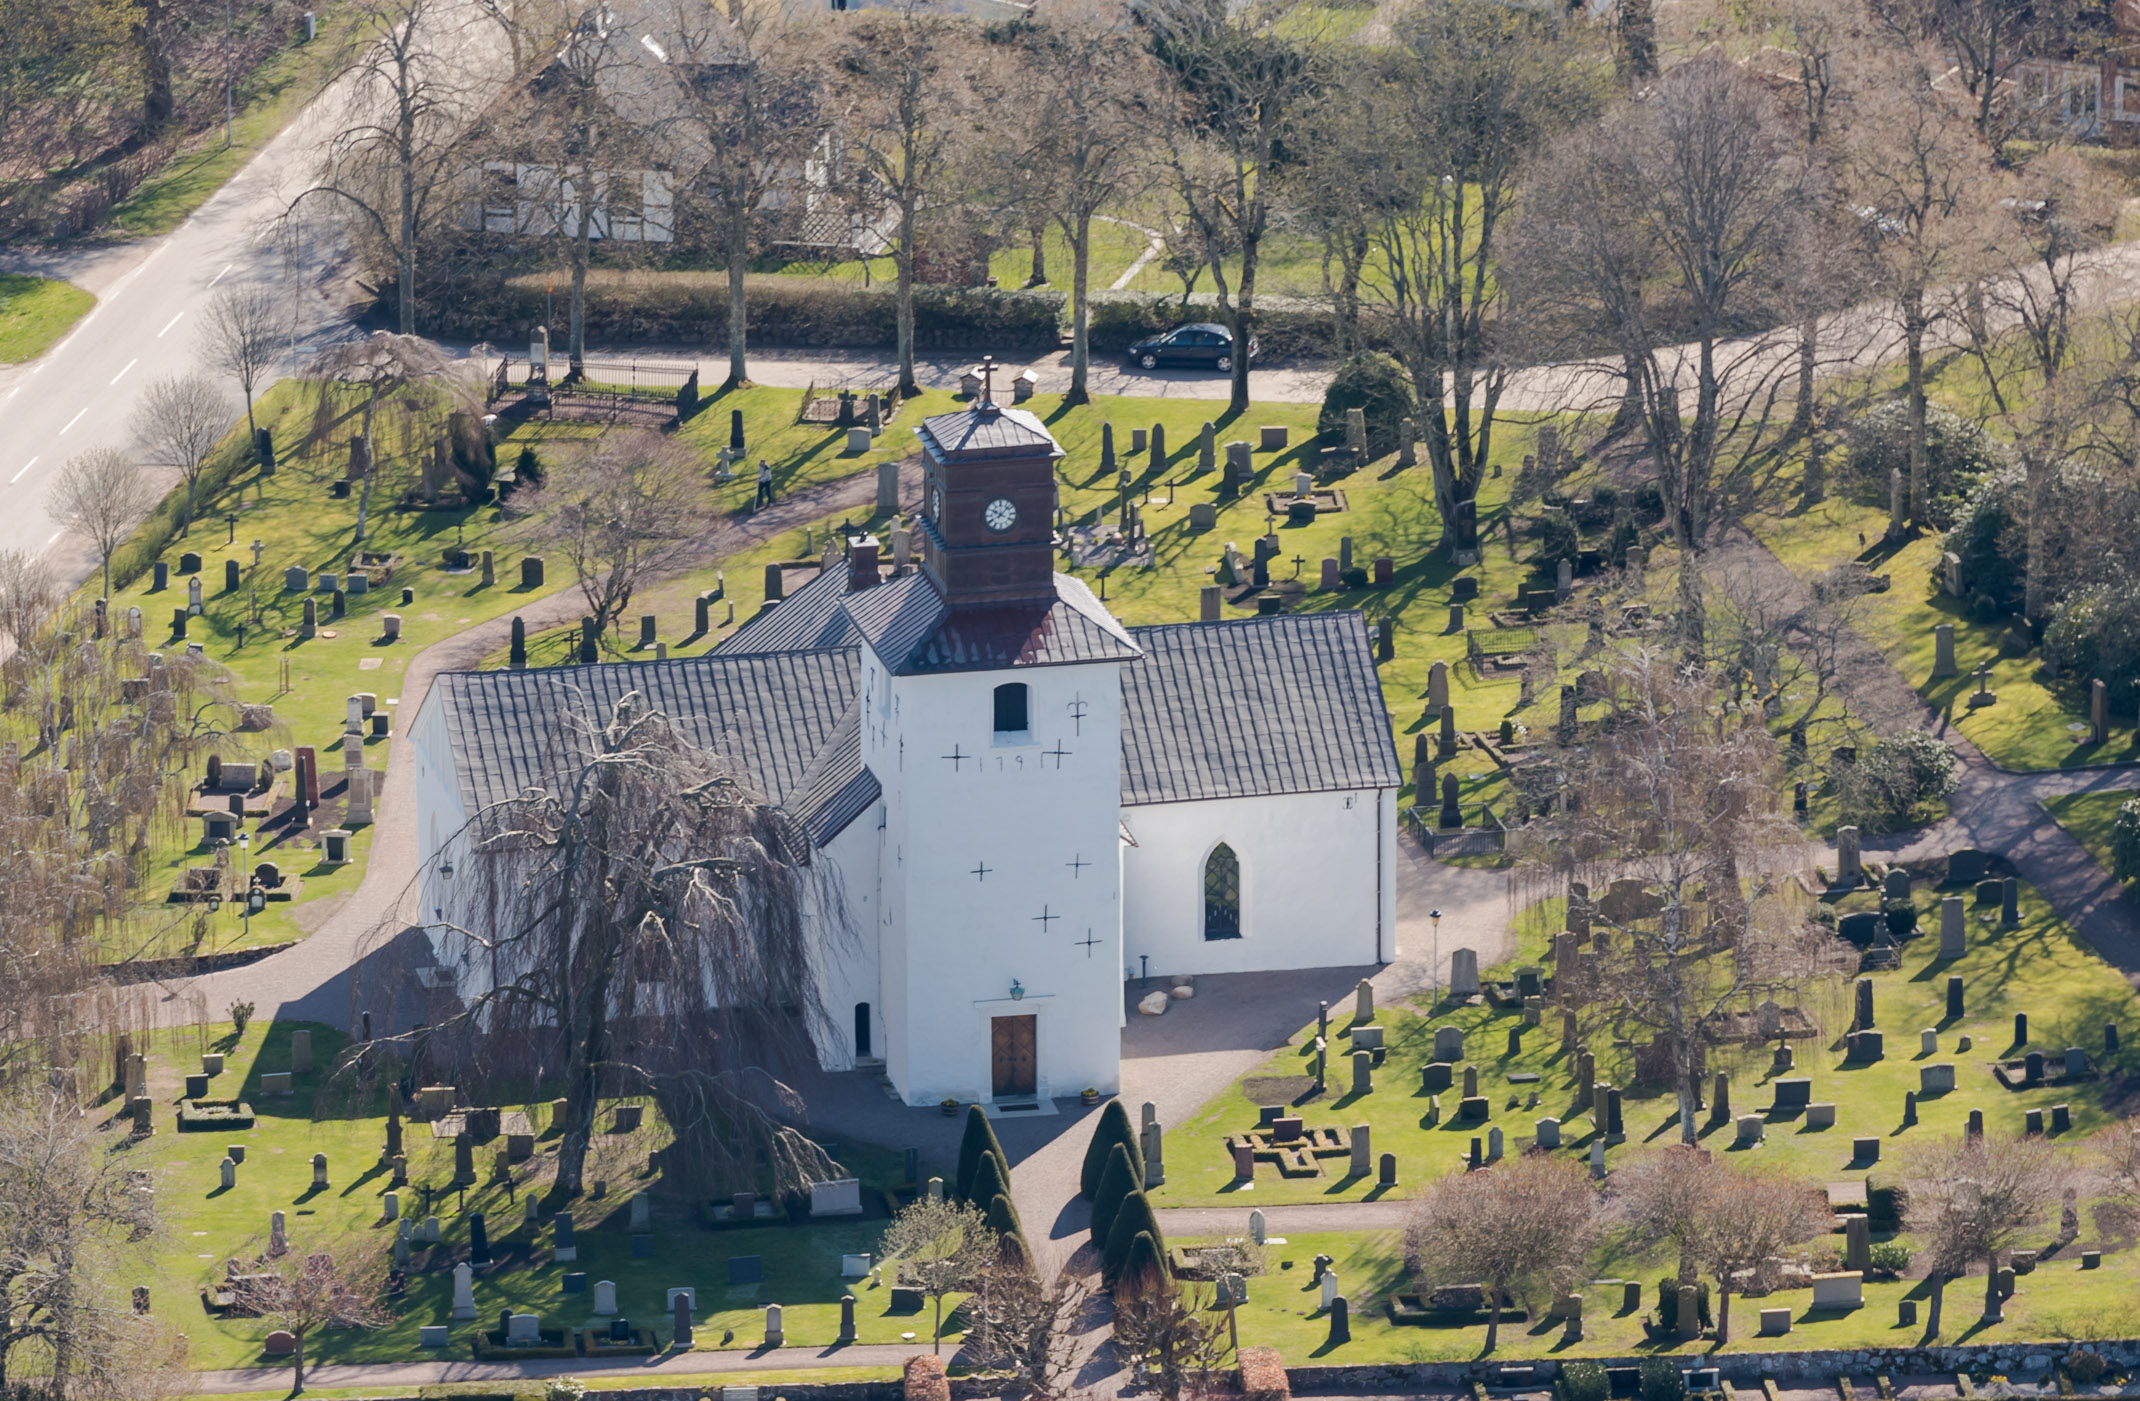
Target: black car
pixel 1203 344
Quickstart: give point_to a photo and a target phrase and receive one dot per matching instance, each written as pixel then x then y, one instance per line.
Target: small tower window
pixel 1222 894
pixel 1011 708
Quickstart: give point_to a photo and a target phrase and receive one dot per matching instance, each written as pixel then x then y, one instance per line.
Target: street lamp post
pixel 1434 917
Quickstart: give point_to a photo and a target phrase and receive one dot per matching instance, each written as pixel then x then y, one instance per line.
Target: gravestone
pixel 229 1173
pixel 1363 1072
pixel 564 1245
pixel 1794 1094
pixel 605 1298
pixel 319 1169
pixel 1935 1079
pixel 2010 903
pixel 1748 1129
pixel 464 1291
pixel 847 1318
pixel 1494 1144
pixel 1952 933
pixel 1363 1001
pixel 1449 1044
pixel 1954 997
pixel 775 1334
pixel 1434 1077
pixel 2098 712
pixel 1943 651
pixel 523 1330
pixel 1847 865
pixel 1463 982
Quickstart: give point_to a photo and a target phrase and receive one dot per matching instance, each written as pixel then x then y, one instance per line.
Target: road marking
pixel 169 324
pixel 72 421
pixel 122 373
pixel 25 467
pixel 53 536
pixel 219 276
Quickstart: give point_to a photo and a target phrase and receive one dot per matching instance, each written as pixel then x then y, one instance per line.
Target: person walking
pixel 765 483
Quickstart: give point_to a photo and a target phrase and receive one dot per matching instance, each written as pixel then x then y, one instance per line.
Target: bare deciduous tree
pixel 941 1247
pixel 1028 1328
pixel 1089 123
pixel 306 1293
pixel 1970 1198
pixel 1721 1219
pixel 243 326
pixel 68 1213
pixel 1241 87
pixel 1679 794
pixel 751 88
pixel 100 496
pixel 1521 1226
pixel 903 84
pixel 393 166
pixel 1173 1337
pixel 626 511
pixel 644 922
pixel 1663 231
pixel 1472 92
pixel 1921 174
pixel 180 420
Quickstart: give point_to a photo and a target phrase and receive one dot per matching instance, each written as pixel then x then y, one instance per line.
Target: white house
pixel 1025 801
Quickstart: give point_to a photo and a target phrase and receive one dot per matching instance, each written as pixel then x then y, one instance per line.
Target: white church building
pixel 1027 804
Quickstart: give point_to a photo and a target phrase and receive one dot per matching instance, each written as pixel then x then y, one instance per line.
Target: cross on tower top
pixel 987 403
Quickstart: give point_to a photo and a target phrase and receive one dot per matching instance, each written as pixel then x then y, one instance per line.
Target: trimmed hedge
pixel 204 1115
pixel 1285 327
pixel 692 308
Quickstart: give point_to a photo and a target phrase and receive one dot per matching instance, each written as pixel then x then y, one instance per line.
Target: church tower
pixel 992 716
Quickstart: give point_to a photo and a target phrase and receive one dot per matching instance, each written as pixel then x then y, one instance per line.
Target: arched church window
pixel 1222 894
pixel 1011 708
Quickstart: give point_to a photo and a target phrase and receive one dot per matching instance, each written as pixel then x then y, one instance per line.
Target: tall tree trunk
pixel 1038 232
pixel 405 261
pixel 1493 1316
pixel 371 471
pixel 1080 311
pixel 157 103
pixel 582 245
pixel 297 1366
pixel 1244 322
pixel 1808 360
pixel 1913 343
pixel 904 263
pixel 738 308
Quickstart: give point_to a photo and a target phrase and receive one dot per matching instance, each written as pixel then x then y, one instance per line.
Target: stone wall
pixel 2014 1359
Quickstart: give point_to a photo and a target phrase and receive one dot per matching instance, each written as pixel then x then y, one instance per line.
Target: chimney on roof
pixel 861 563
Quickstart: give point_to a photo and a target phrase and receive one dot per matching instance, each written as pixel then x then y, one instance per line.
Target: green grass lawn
pixel 2088 816
pixel 205 1225
pixel 2035 724
pixel 269 97
pixel 35 312
pixel 2057 1301
pixel 2038 968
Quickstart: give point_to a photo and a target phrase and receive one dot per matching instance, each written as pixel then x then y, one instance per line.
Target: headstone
pixel 1935 1079
pixel 1464 975
pixel 319 1169
pixel 1258 1229
pixel 229 1171
pixel 1597 1157
pixel 1943 651
pixel 847 1318
pixel 1847 866
pixel 775 1334
pixel 605 1298
pixel 1363 1001
pixel 1329 1286
pixel 1954 997
pixel 1952 934
pixel 564 1245
pixel 1909 1109
pixel 1363 1072
pixel 1748 1129
pixel 1449 1044
pixel 278 1234
pixel 2010 903
pixel 1548 1133
pixel 464 1290
pixel 2098 712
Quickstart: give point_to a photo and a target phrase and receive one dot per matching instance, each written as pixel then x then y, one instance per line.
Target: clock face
pixel 1000 514
pixel 936 503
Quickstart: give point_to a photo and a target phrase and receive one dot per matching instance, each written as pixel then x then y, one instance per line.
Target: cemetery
pixel 460 1230
pixel 1463 1084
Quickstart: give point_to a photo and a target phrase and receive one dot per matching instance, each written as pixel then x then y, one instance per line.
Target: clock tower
pixel 988 506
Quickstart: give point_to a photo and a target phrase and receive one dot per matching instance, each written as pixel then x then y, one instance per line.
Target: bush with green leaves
pixel 1985 534
pixel 2125 841
pixel 1662 1380
pixel 1893 780
pixel 2095 634
pixel 1958 454
pixel 1889 1257
pixel 1378 386
pixel 1901 916
pixel 1557 539
pixel 1584 1381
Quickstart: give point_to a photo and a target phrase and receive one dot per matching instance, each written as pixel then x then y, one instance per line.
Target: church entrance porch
pixel 1011 1054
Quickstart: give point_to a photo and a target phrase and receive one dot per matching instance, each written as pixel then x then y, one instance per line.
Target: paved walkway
pixel 1995 809
pixel 677 1369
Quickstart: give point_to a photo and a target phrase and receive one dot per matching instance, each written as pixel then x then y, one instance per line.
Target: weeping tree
pixel 645 922
pixel 381 368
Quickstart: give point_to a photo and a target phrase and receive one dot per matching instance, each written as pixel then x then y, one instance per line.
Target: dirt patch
pixel 1276 1089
